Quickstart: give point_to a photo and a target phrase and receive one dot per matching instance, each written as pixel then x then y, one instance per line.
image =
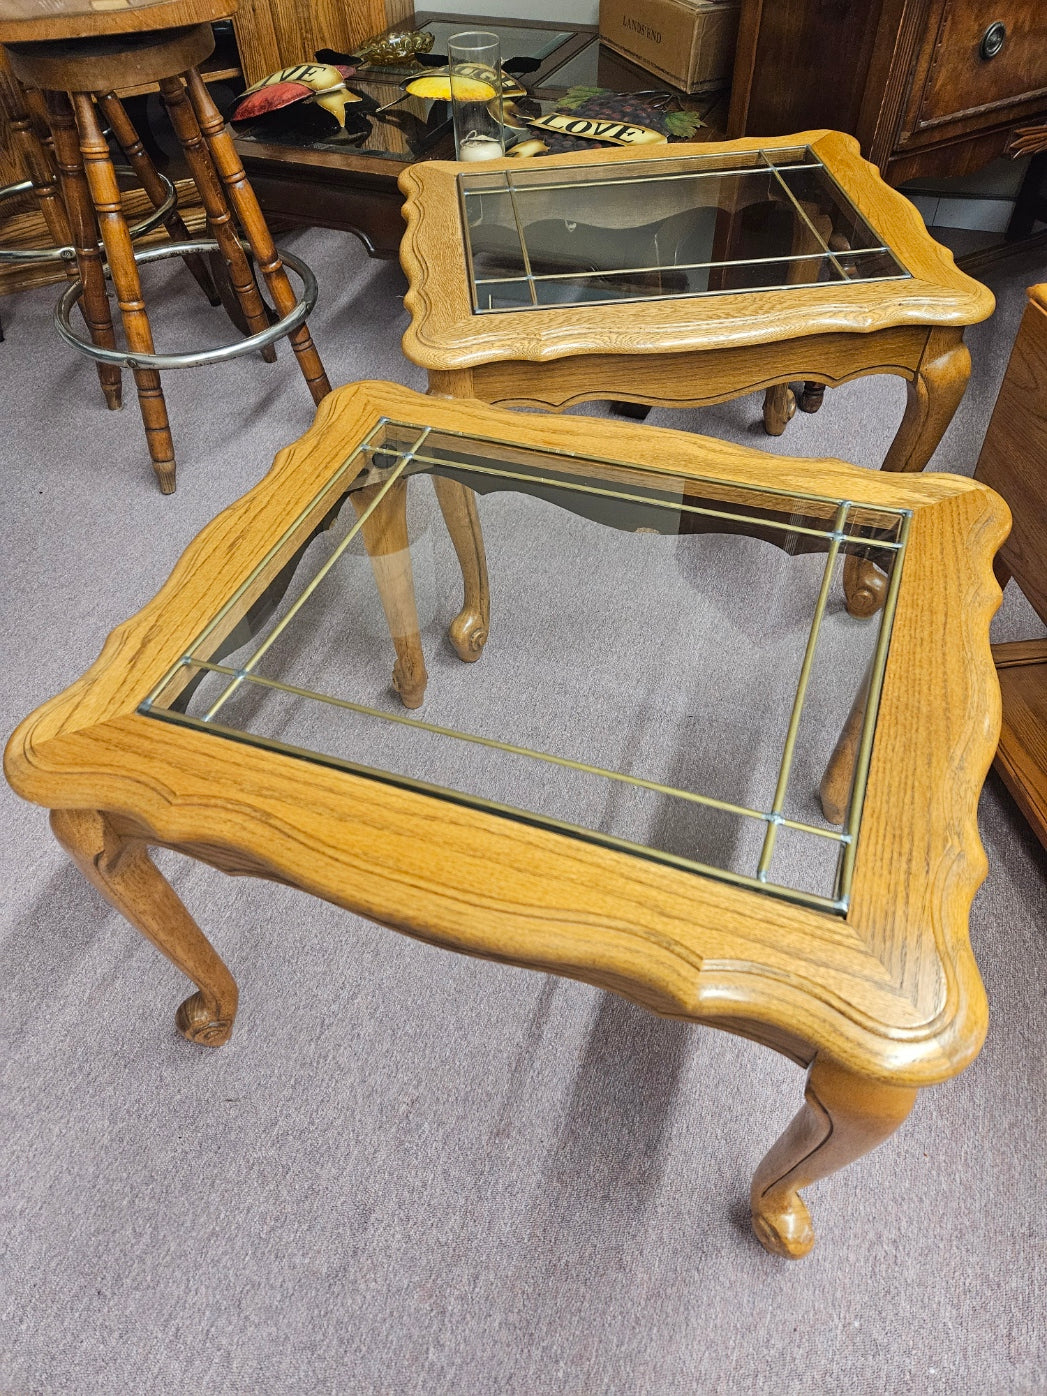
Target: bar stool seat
pixel 74 60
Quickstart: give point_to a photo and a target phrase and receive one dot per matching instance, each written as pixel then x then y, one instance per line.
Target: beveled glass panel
pixel 516 41
pixel 669 666
pixel 659 229
pixel 583 68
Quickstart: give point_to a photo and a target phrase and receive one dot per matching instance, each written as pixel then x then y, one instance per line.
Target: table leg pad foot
pixel 468 634
pixel 196 1022
pixel 864 586
pixel 787 1230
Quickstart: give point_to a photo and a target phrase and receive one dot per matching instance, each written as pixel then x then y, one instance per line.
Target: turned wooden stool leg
pixel 94 303
pixel 121 869
pixel 105 194
pixel 27 146
pixel 810 400
pixel 245 205
pixel 219 216
pixel 36 102
pixel 468 630
pixel 779 407
pixel 130 143
pixel 931 400
pixel 843 1117
pixel 385 537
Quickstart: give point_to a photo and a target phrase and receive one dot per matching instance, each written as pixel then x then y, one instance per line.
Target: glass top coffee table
pixel 681 772
pixel 681 275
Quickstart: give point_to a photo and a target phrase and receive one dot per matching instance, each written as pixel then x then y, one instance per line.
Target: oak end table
pixel 731 802
pixel 686 274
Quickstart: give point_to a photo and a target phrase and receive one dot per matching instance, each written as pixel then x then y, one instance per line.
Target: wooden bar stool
pixel 33 143
pixel 78 57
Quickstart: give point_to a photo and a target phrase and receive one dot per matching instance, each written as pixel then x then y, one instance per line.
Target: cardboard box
pixel 688 43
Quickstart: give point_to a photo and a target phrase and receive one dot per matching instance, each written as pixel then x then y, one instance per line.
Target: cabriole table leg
pixel 779 408
pixel 385 537
pixel 835 788
pixel 121 869
pixel 468 630
pixel 843 1117
pixel 932 398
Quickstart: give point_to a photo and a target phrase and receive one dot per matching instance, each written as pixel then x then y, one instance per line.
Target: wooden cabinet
pixel 1013 461
pixel 929 87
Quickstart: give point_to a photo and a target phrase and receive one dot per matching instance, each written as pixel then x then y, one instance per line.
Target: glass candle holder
pixel 475 65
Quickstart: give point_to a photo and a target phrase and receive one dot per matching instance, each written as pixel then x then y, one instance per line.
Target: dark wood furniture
pixel 161 41
pixel 1014 462
pixel 270 34
pixel 356 189
pixel 929 87
pixel 351 189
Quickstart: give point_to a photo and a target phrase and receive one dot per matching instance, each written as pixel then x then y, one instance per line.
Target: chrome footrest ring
pixel 286 325
pixel 31 254
pixel 68 253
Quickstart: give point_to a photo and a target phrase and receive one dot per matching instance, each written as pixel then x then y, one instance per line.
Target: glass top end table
pixel 683 275
pixel 680 770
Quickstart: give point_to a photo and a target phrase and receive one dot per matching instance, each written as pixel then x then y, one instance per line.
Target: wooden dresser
pixel 930 87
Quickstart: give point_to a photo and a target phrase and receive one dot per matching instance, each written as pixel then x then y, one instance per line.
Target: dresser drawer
pixel 988 55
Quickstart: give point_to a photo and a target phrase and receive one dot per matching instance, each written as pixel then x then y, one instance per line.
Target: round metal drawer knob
pixel 992 39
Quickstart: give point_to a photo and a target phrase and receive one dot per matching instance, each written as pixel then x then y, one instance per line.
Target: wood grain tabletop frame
pixel 42 21
pixel 877 1003
pixel 445 335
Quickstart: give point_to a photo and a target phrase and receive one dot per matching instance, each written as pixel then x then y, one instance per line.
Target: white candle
pixel 480 148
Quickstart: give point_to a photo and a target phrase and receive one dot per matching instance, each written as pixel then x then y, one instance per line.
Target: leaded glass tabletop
pixel 658 229
pixel 669 666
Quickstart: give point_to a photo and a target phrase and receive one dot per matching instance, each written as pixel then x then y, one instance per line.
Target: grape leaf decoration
pixel 577 96
pixel 682 123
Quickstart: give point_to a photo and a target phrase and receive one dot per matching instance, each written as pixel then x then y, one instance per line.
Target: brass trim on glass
pixel 475 185
pixel 412 449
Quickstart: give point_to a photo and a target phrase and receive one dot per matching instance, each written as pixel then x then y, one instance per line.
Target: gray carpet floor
pixel 410 1172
